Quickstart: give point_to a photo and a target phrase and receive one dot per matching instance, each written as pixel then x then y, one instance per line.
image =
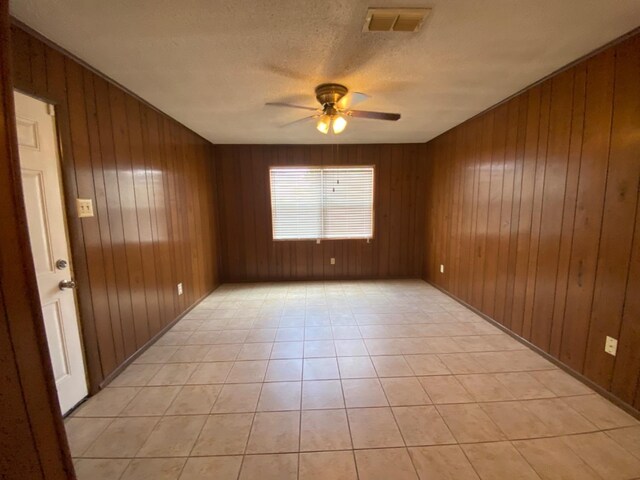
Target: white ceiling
pixel 212 64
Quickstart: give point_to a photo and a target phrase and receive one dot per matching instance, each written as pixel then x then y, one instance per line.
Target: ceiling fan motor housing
pixel 330 93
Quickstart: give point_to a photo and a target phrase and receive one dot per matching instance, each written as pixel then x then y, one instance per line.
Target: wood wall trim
pixel 32 439
pixel 113 375
pixel 249 252
pixel 533 208
pixel 563 366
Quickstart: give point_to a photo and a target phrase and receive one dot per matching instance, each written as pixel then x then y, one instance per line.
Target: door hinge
pixel 51 110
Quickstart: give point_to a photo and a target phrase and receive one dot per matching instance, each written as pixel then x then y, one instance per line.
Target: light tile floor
pixel 346 380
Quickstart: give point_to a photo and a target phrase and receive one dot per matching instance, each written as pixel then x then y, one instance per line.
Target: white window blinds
pixel 322 202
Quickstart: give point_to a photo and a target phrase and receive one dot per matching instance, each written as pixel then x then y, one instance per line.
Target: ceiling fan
pixel 335 107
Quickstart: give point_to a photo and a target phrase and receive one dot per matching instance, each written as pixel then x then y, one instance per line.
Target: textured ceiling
pixel 213 64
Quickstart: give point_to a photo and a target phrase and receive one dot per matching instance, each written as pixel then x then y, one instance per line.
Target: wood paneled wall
pixel 152 182
pixel 248 250
pixel 532 207
pixel 32 440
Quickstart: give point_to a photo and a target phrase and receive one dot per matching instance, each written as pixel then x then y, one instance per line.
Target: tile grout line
pixel 253 326
pixel 346 412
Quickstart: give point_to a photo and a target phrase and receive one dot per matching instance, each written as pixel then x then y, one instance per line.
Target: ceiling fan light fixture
pixel 324 122
pixel 336 104
pixel 339 124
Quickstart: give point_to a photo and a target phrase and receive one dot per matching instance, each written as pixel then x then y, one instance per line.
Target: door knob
pixel 64 284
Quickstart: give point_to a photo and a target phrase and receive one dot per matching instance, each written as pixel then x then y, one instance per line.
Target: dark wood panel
pixel 516 202
pixel 589 207
pixel 497 177
pixel 569 208
pixel 544 236
pixel 536 216
pixel 248 250
pixel 553 193
pixel 503 235
pixel 32 439
pixel 77 111
pixel 617 235
pixel 153 185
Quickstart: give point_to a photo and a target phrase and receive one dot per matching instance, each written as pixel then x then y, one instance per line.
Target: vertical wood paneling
pixel 483 177
pixel 507 203
pixel 382 230
pixel 553 193
pixel 103 282
pixel 248 250
pixel 625 379
pixel 32 438
pixel 523 102
pixel 569 208
pixel 620 206
pixel 124 336
pixel 536 216
pixel 547 242
pixel 85 186
pixel 145 237
pixel 526 210
pixel 153 186
pixel 589 205
pixel 496 188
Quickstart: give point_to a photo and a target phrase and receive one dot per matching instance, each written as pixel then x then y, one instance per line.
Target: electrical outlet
pixel 317 241
pixel 180 290
pixel 333 261
pixel 441 268
pixel 611 346
pixel 84 207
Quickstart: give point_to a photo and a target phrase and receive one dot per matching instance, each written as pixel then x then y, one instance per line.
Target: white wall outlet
pixel 611 346
pixel 441 268
pixel 84 207
pixel 333 261
pixel 317 241
pixel 180 290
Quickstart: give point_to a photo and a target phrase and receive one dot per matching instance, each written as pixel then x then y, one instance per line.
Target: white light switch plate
pixel 441 268
pixel 84 207
pixel 611 346
pixel 333 261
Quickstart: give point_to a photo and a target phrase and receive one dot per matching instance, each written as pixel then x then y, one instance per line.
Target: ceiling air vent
pixel 395 19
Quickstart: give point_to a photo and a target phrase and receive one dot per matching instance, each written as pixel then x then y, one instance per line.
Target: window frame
pixel 319 240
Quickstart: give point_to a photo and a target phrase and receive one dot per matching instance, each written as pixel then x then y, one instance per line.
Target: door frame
pixel 35 429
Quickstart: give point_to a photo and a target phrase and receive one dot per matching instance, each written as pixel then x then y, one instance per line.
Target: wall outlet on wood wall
pixel 180 290
pixel 611 346
pixel 441 268
pixel 333 261
pixel 84 207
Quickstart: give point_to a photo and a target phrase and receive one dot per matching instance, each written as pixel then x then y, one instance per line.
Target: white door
pixel 46 218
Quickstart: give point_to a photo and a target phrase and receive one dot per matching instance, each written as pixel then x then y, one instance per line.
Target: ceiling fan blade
pixel 290 105
pixel 374 115
pixel 300 120
pixel 351 99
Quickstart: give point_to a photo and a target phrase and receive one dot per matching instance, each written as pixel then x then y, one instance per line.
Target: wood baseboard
pixel 577 375
pixel 109 378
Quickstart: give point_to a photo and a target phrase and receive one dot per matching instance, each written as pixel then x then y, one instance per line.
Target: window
pixel 321 202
